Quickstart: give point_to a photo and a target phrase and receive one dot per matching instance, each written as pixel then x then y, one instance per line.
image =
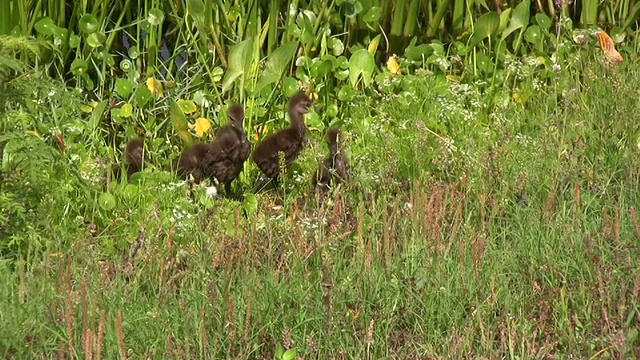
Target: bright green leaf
pixel 124 87
pixel 107 201
pixel 240 61
pixel 277 63
pixel 362 65
pixel 156 17
pixel 143 95
pixel 45 26
pixel 533 35
pixel 88 24
pixel 519 18
pixel 289 354
pixel 250 203
pixel 78 67
pixel 126 110
pixel 484 27
pixel 187 106
pixel 96 39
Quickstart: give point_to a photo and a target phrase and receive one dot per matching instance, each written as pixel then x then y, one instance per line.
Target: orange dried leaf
pixel 155 87
pixel 608 47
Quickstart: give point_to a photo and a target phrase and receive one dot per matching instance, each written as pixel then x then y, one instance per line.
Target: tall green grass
pixel 471 231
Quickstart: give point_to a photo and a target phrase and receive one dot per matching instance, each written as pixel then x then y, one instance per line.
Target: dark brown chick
pixel 134 153
pixel 192 162
pixel 288 141
pixel 229 151
pixel 134 156
pixel 335 167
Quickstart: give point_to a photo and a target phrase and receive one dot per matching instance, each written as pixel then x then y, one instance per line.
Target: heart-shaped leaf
pixel 484 27
pixel 362 65
pixel 240 62
pixel 276 64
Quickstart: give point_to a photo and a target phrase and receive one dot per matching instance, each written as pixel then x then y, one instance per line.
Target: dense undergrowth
pixel 478 225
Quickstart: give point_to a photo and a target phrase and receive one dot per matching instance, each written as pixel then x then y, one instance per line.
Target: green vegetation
pixel 492 212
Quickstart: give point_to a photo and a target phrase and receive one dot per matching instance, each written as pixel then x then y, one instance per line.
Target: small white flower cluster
pixel 179 216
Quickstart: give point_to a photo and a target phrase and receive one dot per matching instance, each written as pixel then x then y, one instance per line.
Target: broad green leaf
pixel 107 201
pixel 126 110
pixel 417 53
pixel 361 65
pixel 133 52
pixel 484 63
pixel 250 203
pixel 187 106
pixel 180 123
pixel 143 95
pixel 289 354
pixel 323 67
pixel 533 35
pixel 543 20
pixel 371 17
pixel 96 39
pixel 353 8
pixel 88 24
pixel 519 18
pixel 336 46
pixel 195 9
pixel 45 26
pixel 240 61
pixel 124 87
pixel 277 63
pixel 346 93
pixel 484 27
pixel 617 34
pixel 504 19
pixel 78 67
pixel 289 86
pixel 74 41
pixel 156 17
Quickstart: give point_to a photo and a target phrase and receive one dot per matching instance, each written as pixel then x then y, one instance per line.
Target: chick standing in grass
pixel 288 141
pixel 192 161
pixel 227 154
pixel 335 167
pixel 134 153
pixel 134 156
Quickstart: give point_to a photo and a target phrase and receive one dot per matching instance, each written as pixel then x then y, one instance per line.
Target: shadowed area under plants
pixel 471 231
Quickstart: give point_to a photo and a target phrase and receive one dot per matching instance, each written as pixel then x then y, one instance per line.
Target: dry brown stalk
pixel 370 338
pixel 120 332
pixel 247 320
pixel 103 314
pixel 634 218
pixel 616 226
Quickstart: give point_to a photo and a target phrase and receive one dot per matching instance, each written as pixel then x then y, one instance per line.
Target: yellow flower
pixel 202 126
